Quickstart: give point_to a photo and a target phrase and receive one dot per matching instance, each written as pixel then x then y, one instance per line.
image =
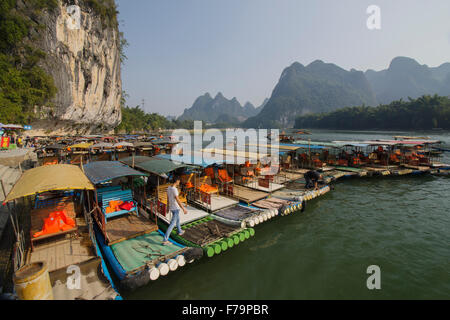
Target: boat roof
pixel 351 144
pixel 102 145
pixel 237 153
pixel 142 144
pixel 316 143
pixel 404 142
pixel 154 165
pixel 123 144
pixel 410 138
pixel 58 146
pixel 104 171
pixel 162 141
pixel 49 178
pixel 83 145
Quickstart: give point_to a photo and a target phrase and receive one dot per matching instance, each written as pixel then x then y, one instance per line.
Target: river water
pixel 401 224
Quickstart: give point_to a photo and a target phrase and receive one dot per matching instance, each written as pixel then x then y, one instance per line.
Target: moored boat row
pixel 116 211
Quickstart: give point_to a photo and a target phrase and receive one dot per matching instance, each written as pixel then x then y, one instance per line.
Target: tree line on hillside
pixel 424 113
pixel 137 120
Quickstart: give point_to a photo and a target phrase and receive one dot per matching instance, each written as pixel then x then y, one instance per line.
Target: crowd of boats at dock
pixel 100 203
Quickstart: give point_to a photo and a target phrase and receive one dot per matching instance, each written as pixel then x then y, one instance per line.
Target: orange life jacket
pixel 56 222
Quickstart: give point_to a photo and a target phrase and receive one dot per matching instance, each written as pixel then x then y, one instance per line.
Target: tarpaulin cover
pixel 103 171
pixel 47 178
pixel 102 145
pixel 236 213
pixel 134 253
pixel 83 145
pixel 153 165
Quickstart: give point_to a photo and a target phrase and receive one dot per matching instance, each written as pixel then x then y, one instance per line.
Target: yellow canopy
pixel 47 178
pixel 83 145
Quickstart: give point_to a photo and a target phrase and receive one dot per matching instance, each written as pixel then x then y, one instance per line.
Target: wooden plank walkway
pixel 248 195
pixel 66 250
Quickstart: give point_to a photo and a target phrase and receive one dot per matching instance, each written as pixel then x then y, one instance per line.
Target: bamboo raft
pixel 211 235
pixel 359 171
pixel 246 215
pixel 283 207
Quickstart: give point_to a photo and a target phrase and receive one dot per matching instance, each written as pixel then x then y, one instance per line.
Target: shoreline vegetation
pixel 424 113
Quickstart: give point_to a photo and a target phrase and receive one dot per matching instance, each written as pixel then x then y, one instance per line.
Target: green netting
pixel 134 253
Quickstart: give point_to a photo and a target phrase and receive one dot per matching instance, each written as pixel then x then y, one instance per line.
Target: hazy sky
pixel 180 49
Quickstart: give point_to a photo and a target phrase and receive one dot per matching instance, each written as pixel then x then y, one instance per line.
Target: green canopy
pixel 153 165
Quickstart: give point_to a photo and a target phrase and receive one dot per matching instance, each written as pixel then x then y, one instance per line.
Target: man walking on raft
pixel 311 177
pixel 174 205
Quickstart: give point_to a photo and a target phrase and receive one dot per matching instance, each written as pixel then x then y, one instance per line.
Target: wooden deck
pixel 218 202
pixel 129 226
pixel 419 168
pixel 248 195
pixel 65 250
pixel 192 215
pixel 272 186
pixel 286 176
pixel 298 171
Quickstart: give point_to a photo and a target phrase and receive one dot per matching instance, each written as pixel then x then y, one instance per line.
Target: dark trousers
pixel 309 182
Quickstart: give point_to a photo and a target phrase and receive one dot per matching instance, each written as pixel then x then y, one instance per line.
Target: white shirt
pixel 172 193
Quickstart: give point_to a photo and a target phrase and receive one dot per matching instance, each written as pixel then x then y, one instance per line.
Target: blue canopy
pixel 104 171
pixel 196 160
pixel 305 146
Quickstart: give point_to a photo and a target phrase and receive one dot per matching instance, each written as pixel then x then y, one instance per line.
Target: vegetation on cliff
pixel 424 113
pixel 23 83
pixel 137 120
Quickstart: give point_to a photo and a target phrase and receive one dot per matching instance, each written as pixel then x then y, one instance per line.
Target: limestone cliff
pixel 83 57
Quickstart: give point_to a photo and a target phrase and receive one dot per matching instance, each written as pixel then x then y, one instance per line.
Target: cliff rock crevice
pixel 83 57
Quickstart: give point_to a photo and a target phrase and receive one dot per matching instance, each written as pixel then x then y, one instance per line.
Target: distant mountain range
pixel 220 110
pixel 322 87
pixel 405 78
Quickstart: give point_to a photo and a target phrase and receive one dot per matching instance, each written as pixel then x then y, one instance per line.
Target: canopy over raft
pixel 104 171
pixel 48 178
pixel 156 166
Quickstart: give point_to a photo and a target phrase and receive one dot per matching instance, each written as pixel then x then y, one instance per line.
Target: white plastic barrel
pixel 250 223
pixel 261 218
pixel 153 273
pixel 173 265
pixel 255 220
pixel 181 260
pixel 163 269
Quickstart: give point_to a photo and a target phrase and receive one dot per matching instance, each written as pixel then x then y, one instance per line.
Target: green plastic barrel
pixel 230 243
pixel 236 239
pixel 241 236
pixel 252 231
pixel 223 245
pixel 247 234
pixel 209 251
pixel 217 248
